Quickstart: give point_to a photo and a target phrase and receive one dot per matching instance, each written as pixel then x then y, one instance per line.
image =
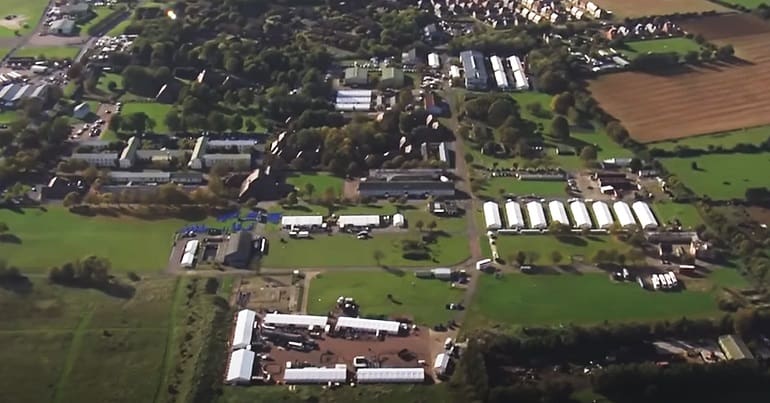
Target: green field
pixel 439 393
pixel 320 180
pixel 726 140
pixel 49 52
pixel 131 244
pixel 523 300
pixel 29 11
pixel 667 45
pixel 8 116
pixel 721 176
pixel 119 28
pixel 542 246
pixel 420 300
pixel 687 214
pixel 156 112
pixel 748 3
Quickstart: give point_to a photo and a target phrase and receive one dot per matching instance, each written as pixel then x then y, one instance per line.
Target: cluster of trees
pixel 167 194
pixel 683 151
pixel 91 272
pixel 31 148
pixel 10 275
pixel 501 122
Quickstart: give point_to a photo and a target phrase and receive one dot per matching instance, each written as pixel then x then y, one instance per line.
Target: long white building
pixel 367 325
pixel 645 216
pixel 498 71
pixel 513 214
pixel 241 367
pixel 244 329
pixel 315 375
pixel 492 215
pixel 602 214
pixel 580 215
pixel 558 213
pixel 306 321
pixel 520 81
pixel 536 215
pixel 390 375
pixel 623 212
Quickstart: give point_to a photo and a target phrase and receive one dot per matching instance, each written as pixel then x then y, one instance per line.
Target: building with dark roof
pixel 236 250
pixel 476 75
pixel 410 183
pixel 734 348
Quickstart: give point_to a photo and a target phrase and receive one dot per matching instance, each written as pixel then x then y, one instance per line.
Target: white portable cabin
pixel 517 69
pixel 623 212
pixel 454 71
pixel 358 220
pixel 513 214
pixel 536 215
pixel 244 328
pixel 441 363
pixel 558 213
pixel 492 215
pixel 191 246
pixel 241 366
pixel 398 220
pixel 580 215
pixel 645 216
pixel 602 214
pixel 390 375
pixel 302 221
pixel 188 260
pixel 315 375
pixel 655 282
pixel 483 264
pixel 305 321
pixel 434 61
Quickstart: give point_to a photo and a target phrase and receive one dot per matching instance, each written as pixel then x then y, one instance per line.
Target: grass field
pixel 320 180
pixel 8 116
pixel 721 176
pixel 420 300
pixel 542 246
pixel 747 3
pixel 119 28
pixel 131 244
pixel 675 45
pixel 687 214
pixel 623 8
pixel 729 139
pixel 104 82
pixel 361 393
pixel 29 11
pixel 522 300
pixel 48 52
pixel 496 187
pixel 4 51
pixel 156 112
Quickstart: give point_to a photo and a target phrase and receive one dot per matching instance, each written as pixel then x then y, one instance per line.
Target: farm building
pixel 244 328
pixel 558 213
pixel 356 75
pixel 513 214
pixel 368 325
pixel 390 375
pixel 623 212
pixel 358 221
pixel 434 61
pixel 476 76
pixel 580 215
pixel 236 250
pixel 520 81
pixel 602 214
pixel 316 375
pixel 441 364
pixel 302 221
pixel 305 321
pixel 498 71
pixel 734 348
pixel 241 366
pixel 492 215
pixel 63 27
pixel 392 77
pixel 645 216
pixel 398 220
pixel 536 215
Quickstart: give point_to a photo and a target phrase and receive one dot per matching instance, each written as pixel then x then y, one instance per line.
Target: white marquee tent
pixel 244 328
pixel 492 215
pixel 513 214
pixel 536 215
pixel 241 366
pixel 390 375
pixel 558 213
pixel 623 212
pixel 580 215
pixel 602 214
pixel 645 216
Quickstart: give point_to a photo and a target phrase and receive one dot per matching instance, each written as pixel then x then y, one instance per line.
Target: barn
pixel 645 216
pixel 536 215
pixel 623 212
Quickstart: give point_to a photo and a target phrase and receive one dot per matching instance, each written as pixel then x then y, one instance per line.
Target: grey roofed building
pixel 189 178
pixel 236 251
pixel 409 182
pixel 734 348
pixel 75 10
pixel 356 75
pixel 64 26
pixel 128 156
pixel 476 75
pixel 81 110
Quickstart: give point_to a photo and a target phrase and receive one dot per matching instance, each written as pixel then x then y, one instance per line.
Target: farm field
pixel 48 52
pixel 420 300
pixel 524 300
pixel 496 187
pixel 320 181
pixel 27 12
pixel 726 140
pixel 713 180
pixel 540 247
pixel 749 35
pixel 623 8
pixel 687 214
pixel 157 112
pixel 675 45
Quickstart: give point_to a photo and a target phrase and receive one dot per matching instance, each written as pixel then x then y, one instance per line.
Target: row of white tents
pixel 581 218
pixel 339 374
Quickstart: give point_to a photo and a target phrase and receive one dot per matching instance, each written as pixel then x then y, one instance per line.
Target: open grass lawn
pixel 497 187
pixel 361 393
pixel 51 238
pixel 29 13
pixel 320 180
pixel 748 3
pixel 542 246
pixel 721 176
pixel 675 45
pixel 32 363
pixel 687 214
pixel 8 116
pixel 522 300
pixel 49 52
pixel 106 78
pixel 418 299
pixel 728 140
pixel 157 112
pixel 4 51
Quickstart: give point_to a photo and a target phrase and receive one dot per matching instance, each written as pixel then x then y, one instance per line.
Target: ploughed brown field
pixel 699 100
pixel 642 8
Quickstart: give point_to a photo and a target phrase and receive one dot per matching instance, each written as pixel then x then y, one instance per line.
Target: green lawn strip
pixel 120 27
pixel 157 112
pixel 500 186
pixel 725 140
pixel 8 116
pixel 679 46
pixel 100 13
pixel 687 214
pixel 542 246
pixel 171 339
pixel 104 82
pixel 747 3
pixel 439 393
pixel 721 176
pixel 418 299
pixel 727 277
pixel 48 52
pixel 72 356
pixel 320 180
pixel 32 364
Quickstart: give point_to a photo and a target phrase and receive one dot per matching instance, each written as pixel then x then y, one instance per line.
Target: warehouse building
pixel 62 27
pixel 338 374
pixel 392 77
pixel 101 160
pixel 558 213
pixel 358 221
pixel 734 348
pixel 410 183
pixel 390 375
pixel 476 76
pixel 603 216
pixel 645 216
pixel 241 367
pixel 492 215
pixel 623 212
pixel 186 178
pixel 514 215
pixel 236 250
pixel 368 325
pixel 536 215
pixel 580 215
pixel 303 321
pixel 356 76
pixel 244 329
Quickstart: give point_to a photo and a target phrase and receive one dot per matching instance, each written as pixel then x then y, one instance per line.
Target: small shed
pixel 398 220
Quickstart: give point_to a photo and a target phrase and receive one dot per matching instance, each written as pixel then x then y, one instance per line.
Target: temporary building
pixel 278 319
pixel 241 366
pixel 580 214
pixel 369 325
pixel 623 212
pixel 390 375
pixel 398 220
pixel 315 375
pixel 558 213
pixel 188 258
pixel 514 215
pixel 302 221
pixel 358 220
pixel 536 215
pixel 191 246
pixel 602 214
pixel 492 215
pixel 441 363
pixel 434 61
pixel 244 328
pixel 644 214
pixel 442 273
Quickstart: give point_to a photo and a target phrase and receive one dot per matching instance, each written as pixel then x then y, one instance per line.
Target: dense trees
pixel 560 128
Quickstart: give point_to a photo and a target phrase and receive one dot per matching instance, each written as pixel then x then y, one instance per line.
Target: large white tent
pixel 623 212
pixel 580 215
pixel 241 366
pixel 278 319
pixel 514 215
pixel 645 216
pixel 370 325
pixel 244 328
pixel 602 213
pixel 558 213
pixel 358 220
pixel 315 375
pixel 536 215
pixel 390 375
pixel 492 215
pixel 301 220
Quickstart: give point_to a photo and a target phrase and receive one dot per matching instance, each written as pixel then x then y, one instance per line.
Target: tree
pixel 725 52
pixel 556 257
pixel 560 128
pixel 521 258
pixel 250 125
pixel 694 165
pixel 115 123
pixel 588 153
pixel 236 122
pixel 90 174
pixel 558 228
pixel 309 189
pixel 217 121
pixel 499 111
pixel 419 225
pixel 468 158
pixel 71 199
pixel 137 122
pixel 291 199
pixel 3 228
pixel 560 103
pixel 378 255
pixel 635 165
pixel 173 121
pixel 432 225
